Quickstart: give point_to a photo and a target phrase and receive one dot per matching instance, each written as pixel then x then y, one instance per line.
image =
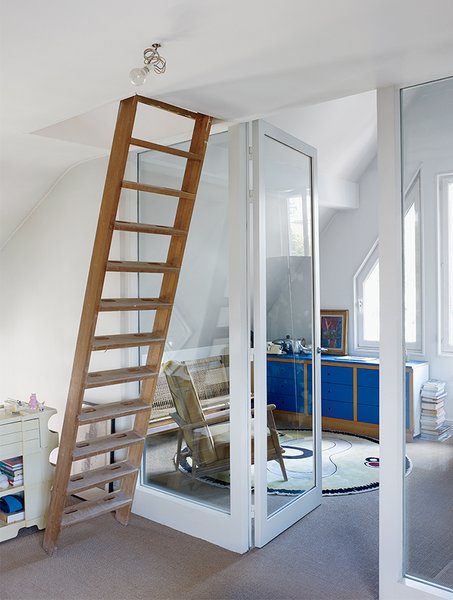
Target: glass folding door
pixel 287 431
pixel 191 461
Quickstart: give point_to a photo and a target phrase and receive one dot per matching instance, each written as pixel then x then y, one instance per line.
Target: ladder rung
pixel 133 266
pixel 89 479
pixel 112 410
pixel 153 189
pixel 126 340
pixel 182 112
pixel 145 228
pixel 107 443
pixel 165 149
pixel 111 304
pixel 114 376
pixel 88 510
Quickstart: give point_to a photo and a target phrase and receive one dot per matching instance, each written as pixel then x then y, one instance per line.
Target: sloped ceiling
pixel 234 60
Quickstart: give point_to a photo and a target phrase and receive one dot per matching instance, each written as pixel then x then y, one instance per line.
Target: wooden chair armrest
pixel 269 408
pixel 212 419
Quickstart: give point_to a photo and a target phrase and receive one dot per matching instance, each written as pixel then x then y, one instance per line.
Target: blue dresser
pixel 349 391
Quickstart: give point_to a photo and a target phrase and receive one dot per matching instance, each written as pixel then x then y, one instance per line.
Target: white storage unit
pixel 27 435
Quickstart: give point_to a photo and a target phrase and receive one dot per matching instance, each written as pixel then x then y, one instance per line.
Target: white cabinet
pixel 27 435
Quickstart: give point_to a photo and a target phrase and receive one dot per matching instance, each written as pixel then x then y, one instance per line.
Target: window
pixel 299 225
pixel 412 266
pixel 446 261
pixel 366 287
pixel 366 282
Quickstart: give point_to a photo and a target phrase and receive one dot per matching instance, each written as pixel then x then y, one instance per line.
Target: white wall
pixel 43 273
pixel 344 244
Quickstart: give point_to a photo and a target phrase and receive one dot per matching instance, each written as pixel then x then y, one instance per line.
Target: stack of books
pixel 13 468
pixel 433 425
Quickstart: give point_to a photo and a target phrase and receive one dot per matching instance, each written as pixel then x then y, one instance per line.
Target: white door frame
pixel 230 530
pixel 268 527
pixel 392 583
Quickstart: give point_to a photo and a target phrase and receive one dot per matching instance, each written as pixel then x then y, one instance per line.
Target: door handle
pixel 319 350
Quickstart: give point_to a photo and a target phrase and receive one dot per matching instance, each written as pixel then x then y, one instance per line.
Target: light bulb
pixel 138 76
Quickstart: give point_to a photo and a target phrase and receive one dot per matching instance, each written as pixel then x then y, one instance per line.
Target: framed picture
pixel 334 332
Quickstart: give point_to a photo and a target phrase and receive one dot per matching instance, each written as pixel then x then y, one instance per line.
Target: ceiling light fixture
pixel 151 57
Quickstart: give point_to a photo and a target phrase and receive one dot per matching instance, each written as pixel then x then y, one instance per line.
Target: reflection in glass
pixel 371 304
pixel 189 434
pixel 427 160
pixel 289 301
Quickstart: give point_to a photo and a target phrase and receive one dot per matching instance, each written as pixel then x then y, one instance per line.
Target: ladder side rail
pixel 95 282
pixel 176 249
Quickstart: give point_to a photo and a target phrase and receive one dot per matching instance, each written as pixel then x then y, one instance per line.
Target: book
pixel 440 438
pixel 431 426
pixel 12 463
pixel 16 482
pixel 10 471
pixel 438 430
pixel 434 384
pixel 437 437
pixel 429 421
pixel 433 411
pixel 434 415
pixel 12 517
pixel 432 405
pixel 433 396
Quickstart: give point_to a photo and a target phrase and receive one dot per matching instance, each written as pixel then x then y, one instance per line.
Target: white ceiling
pixel 235 59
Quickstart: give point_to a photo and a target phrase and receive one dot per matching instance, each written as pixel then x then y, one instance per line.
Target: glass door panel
pixel 190 416
pixel 427 207
pixel 286 316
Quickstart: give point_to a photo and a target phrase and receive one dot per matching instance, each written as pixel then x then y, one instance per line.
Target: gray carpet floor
pixel 332 554
pixel 327 555
pixel 429 511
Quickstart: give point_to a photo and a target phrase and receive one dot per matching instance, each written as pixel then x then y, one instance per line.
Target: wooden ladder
pixel 70 450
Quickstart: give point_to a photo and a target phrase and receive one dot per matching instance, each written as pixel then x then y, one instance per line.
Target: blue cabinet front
pixel 286 388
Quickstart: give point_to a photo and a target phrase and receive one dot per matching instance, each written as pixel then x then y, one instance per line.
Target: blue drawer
pixel 368 396
pixel 368 414
pixel 336 392
pixel 285 385
pixel 279 369
pixel 337 410
pixel 368 377
pixel 336 375
pixel 288 403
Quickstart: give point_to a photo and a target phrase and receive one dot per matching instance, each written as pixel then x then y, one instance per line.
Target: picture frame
pixel 334 332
